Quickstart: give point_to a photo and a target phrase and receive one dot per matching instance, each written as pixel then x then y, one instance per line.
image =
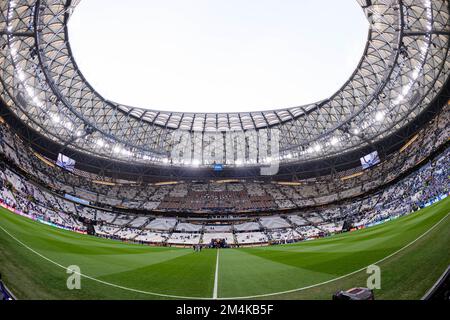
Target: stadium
pixel 295 203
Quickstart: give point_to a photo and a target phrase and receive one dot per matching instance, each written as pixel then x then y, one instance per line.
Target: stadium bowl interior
pixel 153 204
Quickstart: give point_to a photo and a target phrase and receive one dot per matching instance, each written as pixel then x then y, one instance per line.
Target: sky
pixel 217 56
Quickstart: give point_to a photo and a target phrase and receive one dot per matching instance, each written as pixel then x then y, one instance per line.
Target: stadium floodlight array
pixel 404 67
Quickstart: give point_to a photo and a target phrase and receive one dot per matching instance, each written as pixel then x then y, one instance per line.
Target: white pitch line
pixel 216 277
pixel 101 281
pixel 230 298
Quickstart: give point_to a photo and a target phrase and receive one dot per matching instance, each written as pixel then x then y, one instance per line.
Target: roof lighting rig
pixel 404 67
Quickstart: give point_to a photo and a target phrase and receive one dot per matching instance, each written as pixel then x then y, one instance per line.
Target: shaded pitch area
pixel 411 251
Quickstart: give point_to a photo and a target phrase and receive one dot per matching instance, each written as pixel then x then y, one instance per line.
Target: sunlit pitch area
pixel 217 56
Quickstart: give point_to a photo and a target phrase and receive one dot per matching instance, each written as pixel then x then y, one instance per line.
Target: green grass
pixel 242 272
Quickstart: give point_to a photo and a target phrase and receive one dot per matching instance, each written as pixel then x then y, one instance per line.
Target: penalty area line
pixel 216 277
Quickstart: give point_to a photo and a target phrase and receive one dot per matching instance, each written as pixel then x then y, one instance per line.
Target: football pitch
pixel 412 252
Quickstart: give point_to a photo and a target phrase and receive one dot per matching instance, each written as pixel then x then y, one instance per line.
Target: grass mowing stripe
pixel 97 280
pixel 343 276
pixel 247 276
pixel 17 218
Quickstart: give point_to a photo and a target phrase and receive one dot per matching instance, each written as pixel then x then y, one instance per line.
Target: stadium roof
pixel 404 67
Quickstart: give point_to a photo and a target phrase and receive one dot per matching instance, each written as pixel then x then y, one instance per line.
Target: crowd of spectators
pixel 314 208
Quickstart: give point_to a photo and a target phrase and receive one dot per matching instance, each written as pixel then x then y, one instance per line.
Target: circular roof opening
pixel 217 56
